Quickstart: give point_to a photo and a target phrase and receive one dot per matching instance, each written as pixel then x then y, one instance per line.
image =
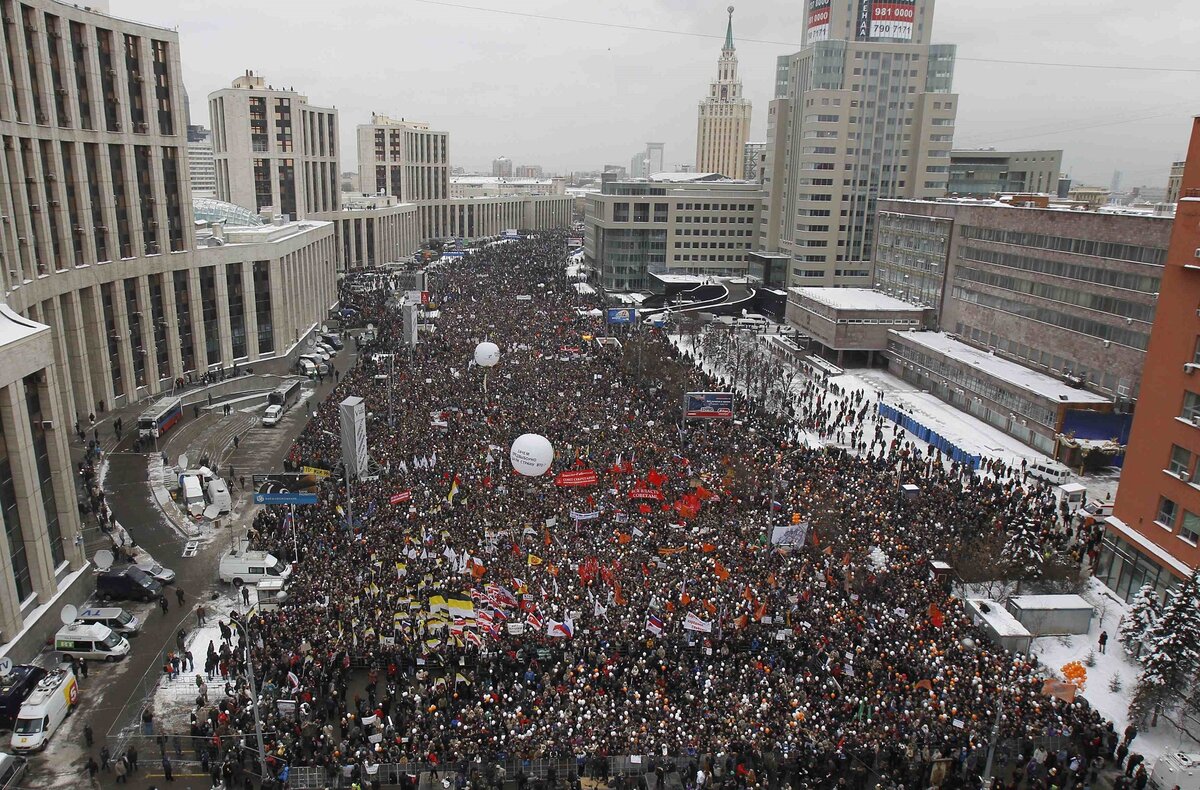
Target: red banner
pixel 578 478
pixel 645 493
pixel 403 496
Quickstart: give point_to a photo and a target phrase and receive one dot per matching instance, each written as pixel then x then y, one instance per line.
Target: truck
pixel 246 566
pixel 160 418
pixel 45 709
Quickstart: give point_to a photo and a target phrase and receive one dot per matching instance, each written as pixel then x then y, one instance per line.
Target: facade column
pixel 79 399
pixel 224 330
pixel 61 471
pixel 95 338
pixel 11 621
pixel 249 310
pixel 29 496
pixel 171 316
pixel 124 340
pixel 149 345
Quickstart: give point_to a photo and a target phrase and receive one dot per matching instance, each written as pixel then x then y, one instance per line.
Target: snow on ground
pixel 175 698
pixel 1055 651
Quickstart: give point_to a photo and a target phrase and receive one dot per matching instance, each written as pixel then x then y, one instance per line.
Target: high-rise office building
pixel 502 167
pixel 202 170
pixel 647 162
pixel 404 159
pixel 753 158
pixel 1174 179
pixel 1153 536
pixel 723 125
pixel 274 149
pixel 863 111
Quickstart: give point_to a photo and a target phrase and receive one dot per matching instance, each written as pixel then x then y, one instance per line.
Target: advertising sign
pixel 621 315
pixel 818 20
pixel 709 405
pixel 352 414
pixel 511 233
pixel 315 471
pixel 885 19
pixel 286 488
pixel 577 241
pixel 403 496
pixel 893 19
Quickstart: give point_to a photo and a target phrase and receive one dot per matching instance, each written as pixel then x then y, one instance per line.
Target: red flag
pixel 720 571
pixel 936 618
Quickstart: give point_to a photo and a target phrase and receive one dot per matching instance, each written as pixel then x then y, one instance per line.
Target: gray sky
pixel 573 96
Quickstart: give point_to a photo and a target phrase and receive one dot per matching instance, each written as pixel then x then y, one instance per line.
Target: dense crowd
pixel 750 596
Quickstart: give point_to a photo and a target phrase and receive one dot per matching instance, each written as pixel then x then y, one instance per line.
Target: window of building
pixel 1191 407
pixel 1167 511
pixel 1181 461
pixel 1189 530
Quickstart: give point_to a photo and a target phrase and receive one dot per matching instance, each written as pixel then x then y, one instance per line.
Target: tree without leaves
pixel 1022 554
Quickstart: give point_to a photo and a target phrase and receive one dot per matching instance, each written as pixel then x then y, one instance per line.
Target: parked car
pixel 129 583
pixel 15 687
pixel 157 571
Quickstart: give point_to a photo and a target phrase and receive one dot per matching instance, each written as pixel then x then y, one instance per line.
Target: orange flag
pixel 771 580
pixel 708 547
pixel 1061 689
pixel 670 606
pixel 546 536
pixel 667 551
pixel 618 599
pixel 710 607
pixel 924 684
pixel 685 599
pixel 747 593
pixel 936 618
pixel 760 611
pixel 623 538
pixel 720 571
pixel 477 570
pixel 741 622
pixel 829 550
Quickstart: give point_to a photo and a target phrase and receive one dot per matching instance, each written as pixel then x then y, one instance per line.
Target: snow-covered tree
pixel 1172 655
pixel 1139 620
pixel 1022 553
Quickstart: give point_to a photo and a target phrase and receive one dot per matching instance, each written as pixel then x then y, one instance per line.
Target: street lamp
pixel 258 731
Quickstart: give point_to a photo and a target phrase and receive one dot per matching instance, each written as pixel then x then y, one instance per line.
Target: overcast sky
pixel 573 96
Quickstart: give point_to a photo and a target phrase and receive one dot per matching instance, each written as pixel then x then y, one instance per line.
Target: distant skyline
pixel 570 96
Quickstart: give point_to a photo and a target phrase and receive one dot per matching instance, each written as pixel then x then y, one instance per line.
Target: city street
pixel 110 696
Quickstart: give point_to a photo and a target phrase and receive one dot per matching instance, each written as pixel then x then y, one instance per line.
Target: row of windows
pixel 1058 293
pixel 1156 256
pixel 1086 326
pixel 714 232
pixel 710 257
pixel 1051 362
pixel 716 207
pixel 1079 272
pixel 714 245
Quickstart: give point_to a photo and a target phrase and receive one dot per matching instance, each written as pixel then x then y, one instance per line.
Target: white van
pixel 90 640
pixel 45 709
pixel 113 617
pixel 272 415
pixel 306 367
pixel 12 768
pixel 218 494
pixel 193 496
pixel 251 567
pixel 1052 472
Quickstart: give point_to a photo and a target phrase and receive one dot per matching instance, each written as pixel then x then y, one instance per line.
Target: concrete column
pixel 171 316
pixel 249 308
pixel 223 331
pixel 79 397
pixel 29 496
pixel 147 338
pixel 10 608
pixel 94 338
pixel 52 317
pixel 61 470
pixel 124 342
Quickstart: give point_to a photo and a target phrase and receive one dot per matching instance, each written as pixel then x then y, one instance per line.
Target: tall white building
pixel 202 170
pixel 724 118
pixel 404 159
pixel 647 162
pixel 502 167
pixel 274 149
pixel 864 111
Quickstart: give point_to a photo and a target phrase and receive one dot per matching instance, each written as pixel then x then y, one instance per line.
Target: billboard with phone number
pixel 709 405
pixel 818 20
pixel 886 19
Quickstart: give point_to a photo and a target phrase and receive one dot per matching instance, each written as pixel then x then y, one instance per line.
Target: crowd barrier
pixel 930 436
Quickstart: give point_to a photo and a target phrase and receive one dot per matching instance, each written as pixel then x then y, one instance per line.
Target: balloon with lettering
pixel 487 354
pixel 531 454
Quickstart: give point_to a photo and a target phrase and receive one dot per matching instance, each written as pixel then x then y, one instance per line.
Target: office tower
pixel 863 111
pixel 1174 180
pixel 288 159
pixel 403 159
pixel 647 162
pixel 502 167
pixel 724 117
pixel 202 170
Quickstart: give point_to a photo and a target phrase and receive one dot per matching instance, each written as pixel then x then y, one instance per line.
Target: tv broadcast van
pixel 44 710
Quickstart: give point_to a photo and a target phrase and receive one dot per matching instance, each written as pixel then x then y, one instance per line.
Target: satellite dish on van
pixel 182 461
pixel 6 665
pixel 743 311
pixel 324 329
pixel 68 614
pixel 103 559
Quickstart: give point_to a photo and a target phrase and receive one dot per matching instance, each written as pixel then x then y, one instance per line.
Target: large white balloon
pixel 487 354
pixel 531 454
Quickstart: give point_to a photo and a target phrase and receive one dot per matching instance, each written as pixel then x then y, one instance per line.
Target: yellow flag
pixel 534 559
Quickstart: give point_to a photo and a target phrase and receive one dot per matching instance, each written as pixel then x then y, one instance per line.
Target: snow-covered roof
pixel 14 326
pixel 683 178
pixel 1049 602
pixel 484 181
pixel 996 616
pixel 854 299
pixel 999 368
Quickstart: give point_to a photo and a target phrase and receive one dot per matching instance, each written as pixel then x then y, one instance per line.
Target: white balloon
pixel 487 354
pixel 531 454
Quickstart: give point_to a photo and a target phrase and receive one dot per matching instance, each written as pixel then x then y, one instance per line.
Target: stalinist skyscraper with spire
pixel 724 118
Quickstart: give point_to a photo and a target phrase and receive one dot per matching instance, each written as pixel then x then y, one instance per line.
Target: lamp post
pixel 258 731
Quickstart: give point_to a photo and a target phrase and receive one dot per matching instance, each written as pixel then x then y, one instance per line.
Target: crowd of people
pixel 746 600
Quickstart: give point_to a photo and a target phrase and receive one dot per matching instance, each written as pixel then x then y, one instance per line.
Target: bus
pixel 160 418
pixel 285 395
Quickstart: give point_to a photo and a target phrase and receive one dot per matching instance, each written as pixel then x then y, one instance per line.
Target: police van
pixel 90 640
pixel 45 709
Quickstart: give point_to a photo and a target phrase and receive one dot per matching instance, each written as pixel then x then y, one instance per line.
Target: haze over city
pixel 573 96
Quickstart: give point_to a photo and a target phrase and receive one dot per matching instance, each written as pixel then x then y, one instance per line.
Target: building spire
pixel 729 31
